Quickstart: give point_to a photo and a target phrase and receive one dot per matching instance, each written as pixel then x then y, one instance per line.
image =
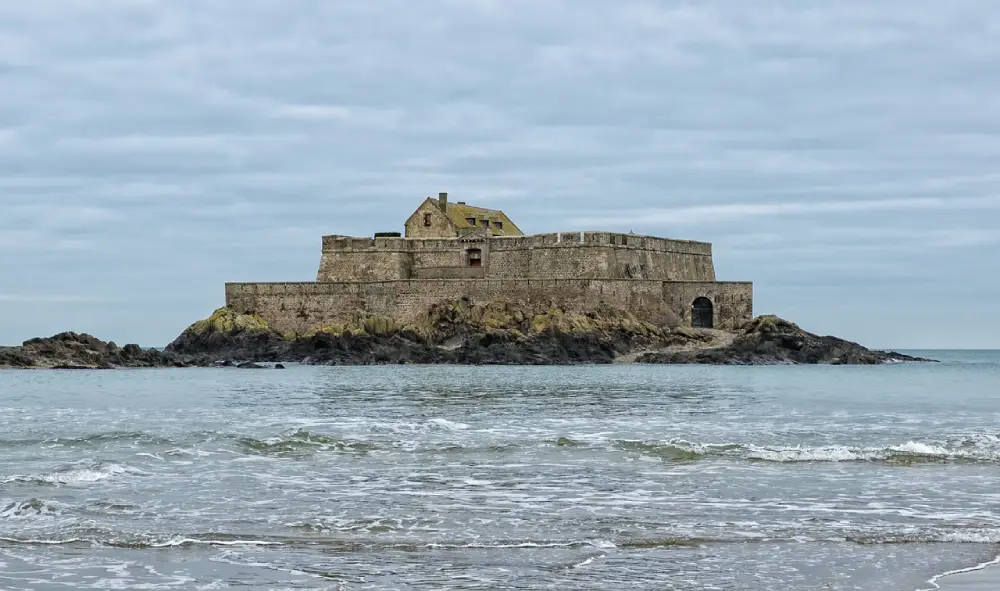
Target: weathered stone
pixel 770 340
pixel 70 350
pixel 446 257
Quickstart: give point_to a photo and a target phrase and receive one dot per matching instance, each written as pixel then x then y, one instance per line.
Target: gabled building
pixel 437 218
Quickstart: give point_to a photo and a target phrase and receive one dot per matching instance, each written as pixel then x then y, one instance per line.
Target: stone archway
pixel 702 313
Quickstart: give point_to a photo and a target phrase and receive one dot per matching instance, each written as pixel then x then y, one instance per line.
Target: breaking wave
pixel 75 474
pixel 300 441
pixel 30 509
pixel 134 437
pixel 910 452
pixel 339 545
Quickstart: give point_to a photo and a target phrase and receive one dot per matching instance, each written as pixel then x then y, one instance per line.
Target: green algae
pixel 226 320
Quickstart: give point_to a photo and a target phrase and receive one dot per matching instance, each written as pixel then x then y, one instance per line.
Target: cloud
pixel 150 151
pixel 729 212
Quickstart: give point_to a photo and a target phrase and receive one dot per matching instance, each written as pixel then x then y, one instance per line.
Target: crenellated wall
pixel 569 255
pixel 300 307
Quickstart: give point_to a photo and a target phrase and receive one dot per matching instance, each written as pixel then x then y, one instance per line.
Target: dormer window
pixel 498 224
pixel 472 221
pixel 427 219
pixel 486 223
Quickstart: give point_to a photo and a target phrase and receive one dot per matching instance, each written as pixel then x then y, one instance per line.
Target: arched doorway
pixel 702 314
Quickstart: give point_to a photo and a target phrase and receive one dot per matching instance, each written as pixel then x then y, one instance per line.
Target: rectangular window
pixel 486 223
pixel 498 224
pixel 624 241
pixel 475 257
pixel 611 239
pixel 472 221
pixel 427 219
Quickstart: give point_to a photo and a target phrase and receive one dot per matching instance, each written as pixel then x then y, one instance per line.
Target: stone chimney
pixel 443 201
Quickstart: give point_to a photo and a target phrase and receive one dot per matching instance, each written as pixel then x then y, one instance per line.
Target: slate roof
pixel 459 214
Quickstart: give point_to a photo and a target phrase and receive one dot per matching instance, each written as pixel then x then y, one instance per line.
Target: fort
pixel 452 251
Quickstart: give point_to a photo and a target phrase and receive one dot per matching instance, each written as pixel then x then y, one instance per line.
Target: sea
pixel 458 477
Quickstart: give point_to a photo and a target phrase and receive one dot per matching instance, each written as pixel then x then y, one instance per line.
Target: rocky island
pixel 465 285
pixel 458 333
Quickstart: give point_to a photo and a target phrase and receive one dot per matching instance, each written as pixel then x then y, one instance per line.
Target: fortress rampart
pixel 567 255
pixel 300 307
pixel 455 250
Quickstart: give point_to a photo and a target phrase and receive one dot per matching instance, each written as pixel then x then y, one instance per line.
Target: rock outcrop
pixel 453 332
pixel 769 340
pixel 70 350
pixel 457 332
pixel 499 333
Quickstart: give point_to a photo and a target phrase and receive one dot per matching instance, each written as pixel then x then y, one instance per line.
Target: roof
pixel 459 213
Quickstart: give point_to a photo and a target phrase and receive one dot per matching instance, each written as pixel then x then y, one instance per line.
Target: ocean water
pixel 663 477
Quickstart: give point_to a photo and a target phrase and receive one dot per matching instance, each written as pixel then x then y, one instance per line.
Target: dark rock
pixel 769 340
pixel 69 350
pixel 457 333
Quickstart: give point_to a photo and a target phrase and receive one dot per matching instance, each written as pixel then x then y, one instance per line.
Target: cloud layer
pixel 842 156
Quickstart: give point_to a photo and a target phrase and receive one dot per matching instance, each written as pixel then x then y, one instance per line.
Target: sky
pixel 841 155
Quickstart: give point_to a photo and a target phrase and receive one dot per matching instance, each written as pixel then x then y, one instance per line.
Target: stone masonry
pixel 444 257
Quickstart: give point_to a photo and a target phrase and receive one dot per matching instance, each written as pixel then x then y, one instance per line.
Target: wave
pixel 908 453
pixel 299 441
pixel 30 509
pixel 132 437
pixel 74 474
pixel 428 426
pixel 970 449
pixel 970 536
pixel 335 545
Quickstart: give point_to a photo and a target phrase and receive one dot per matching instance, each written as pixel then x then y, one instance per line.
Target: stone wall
pixel 569 255
pixel 300 307
pixel 732 302
pixel 440 226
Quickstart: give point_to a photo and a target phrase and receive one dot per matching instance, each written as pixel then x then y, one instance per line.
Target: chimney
pixel 443 201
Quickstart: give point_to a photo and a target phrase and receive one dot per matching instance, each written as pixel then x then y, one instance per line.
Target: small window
pixel 475 257
pixel 472 221
pixel 498 224
pixel 611 239
pixel 486 223
pixel 624 241
pixel 427 219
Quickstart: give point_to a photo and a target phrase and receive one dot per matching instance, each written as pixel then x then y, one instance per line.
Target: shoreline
pixel 984 576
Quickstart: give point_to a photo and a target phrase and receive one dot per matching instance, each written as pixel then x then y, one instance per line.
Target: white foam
pixel 449 425
pixel 588 561
pixel 40 542
pixel 76 476
pixel 838 453
pixel 933 581
pixel 182 541
pixel 923 449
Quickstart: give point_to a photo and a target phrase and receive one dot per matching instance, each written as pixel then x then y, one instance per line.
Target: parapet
pixel 604 239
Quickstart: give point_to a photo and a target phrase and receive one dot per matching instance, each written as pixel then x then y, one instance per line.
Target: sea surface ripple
pixel 501 477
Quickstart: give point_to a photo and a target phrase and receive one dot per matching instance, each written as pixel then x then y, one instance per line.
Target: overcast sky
pixel 842 155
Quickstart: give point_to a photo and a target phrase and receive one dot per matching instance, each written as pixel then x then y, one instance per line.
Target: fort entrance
pixel 702 313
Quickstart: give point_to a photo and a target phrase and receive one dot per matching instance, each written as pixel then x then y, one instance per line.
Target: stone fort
pixel 455 250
